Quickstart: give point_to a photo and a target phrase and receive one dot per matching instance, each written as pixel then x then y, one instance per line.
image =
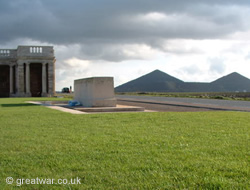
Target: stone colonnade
pixel 22 78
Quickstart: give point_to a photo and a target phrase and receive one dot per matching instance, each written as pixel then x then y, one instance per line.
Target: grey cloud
pixel 217 65
pixel 191 70
pixel 176 48
pixel 248 56
pixel 102 27
pixel 94 51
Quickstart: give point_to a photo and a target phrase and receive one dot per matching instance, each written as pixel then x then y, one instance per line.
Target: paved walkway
pixel 188 103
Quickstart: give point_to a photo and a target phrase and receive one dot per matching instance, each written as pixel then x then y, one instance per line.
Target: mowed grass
pixel 199 150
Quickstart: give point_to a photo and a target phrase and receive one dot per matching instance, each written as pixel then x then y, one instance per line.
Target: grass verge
pixel 198 150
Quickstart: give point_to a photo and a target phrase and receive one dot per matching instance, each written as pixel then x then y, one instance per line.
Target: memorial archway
pixel 4 80
pixel 36 79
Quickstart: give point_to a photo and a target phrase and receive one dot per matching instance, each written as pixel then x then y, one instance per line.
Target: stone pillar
pixel 20 85
pixel 28 79
pixel 51 78
pixel 11 80
pixel 16 79
pixel 44 80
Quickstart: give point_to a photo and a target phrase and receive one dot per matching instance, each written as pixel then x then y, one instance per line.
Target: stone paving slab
pixel 118 108
pixel 61 106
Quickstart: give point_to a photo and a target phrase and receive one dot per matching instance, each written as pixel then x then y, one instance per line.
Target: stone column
pixel 28 79
pixel 11 79
pixel 51 78
pixel 44 80
pixel 20 84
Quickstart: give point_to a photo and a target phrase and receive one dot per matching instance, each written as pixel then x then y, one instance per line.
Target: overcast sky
pixel 193 40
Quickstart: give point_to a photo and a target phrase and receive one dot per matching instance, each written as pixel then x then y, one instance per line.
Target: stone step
pixel 111 109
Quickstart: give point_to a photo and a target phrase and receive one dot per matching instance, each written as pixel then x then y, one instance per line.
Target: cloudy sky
pixel 193 40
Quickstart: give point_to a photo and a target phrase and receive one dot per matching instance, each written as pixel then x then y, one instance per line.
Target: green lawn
pixel 196 150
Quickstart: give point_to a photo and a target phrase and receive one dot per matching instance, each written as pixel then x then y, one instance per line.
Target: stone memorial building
pixel 27 71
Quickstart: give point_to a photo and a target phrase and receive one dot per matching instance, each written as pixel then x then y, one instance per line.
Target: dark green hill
pixel 195 87
pixel 231 83
pixel 158 81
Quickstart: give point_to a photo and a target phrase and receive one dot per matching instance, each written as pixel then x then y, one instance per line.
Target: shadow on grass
pixel 17 105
